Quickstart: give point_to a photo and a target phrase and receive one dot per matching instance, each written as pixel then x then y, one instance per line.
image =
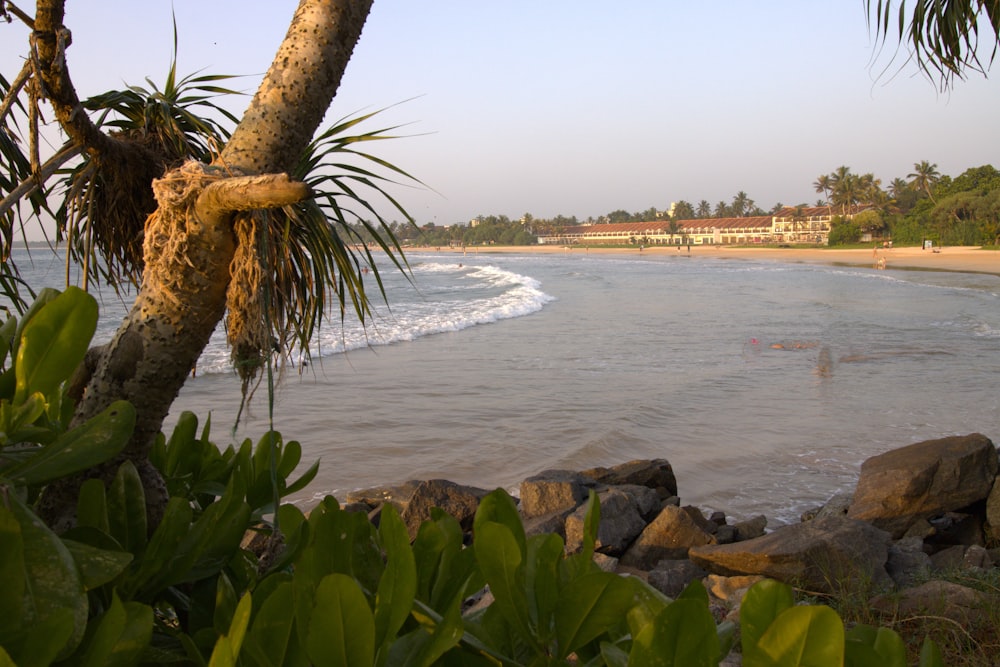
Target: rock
pixel 668 536
pixel 397 495
pixel 993 512
pixel 751 528
pixel 553 491
pixel 836 506
pixel 547 523
pixel 647 501
pixel 718 518
pixel 937 598
pixel 907 561
pixel 957 528
pixel 671 577
pixel 459 501
pixel 922 480
pixel 620 523
pixel 730 589
pixel 960 557
pixel 699 519
pixel 657 474
pixel 820 555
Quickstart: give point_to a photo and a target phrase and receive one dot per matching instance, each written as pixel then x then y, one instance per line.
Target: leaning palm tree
pixel 822 185
pixel 923 177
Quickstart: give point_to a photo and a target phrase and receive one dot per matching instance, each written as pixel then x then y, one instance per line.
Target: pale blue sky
pixel 584 107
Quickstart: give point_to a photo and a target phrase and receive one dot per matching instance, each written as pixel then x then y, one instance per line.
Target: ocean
pixel 765 385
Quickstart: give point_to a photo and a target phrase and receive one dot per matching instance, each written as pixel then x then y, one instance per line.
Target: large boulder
pixel 553 491
pixel 459 501
pixel 667 537
pixel 824 555
pixel 621 521
pixel 959 603
pixel 906 485
pixel 656 474
pixel 993 512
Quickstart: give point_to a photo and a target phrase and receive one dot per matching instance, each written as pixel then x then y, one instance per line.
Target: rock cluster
pixel 918 510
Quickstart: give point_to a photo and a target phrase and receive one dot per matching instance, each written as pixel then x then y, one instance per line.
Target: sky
pixel 580 108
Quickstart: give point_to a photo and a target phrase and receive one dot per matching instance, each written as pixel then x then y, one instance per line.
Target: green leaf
pixel 542 581
pixel 588 607
pixel 397 587
pixel 498 507
pixel 97 566
pixel 879 647
pixel 682 635
pixel 123 632
pixel 47 639
pixel 930 654
pixel 761 605
pixel 11 572
pixel 55 587
pixel 93 442
pixel 126 502
pixel 500 560
pixel 445 567
pixel 227 648
pixel 805 635
pixel 271 630
pixel 152 569
pixel 92 506
pixel 54 342
pixel 341 627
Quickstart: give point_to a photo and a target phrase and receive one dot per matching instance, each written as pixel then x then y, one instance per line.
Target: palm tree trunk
pixel 189 242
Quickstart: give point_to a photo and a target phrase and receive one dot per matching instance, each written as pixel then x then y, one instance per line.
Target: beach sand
pixel 966 259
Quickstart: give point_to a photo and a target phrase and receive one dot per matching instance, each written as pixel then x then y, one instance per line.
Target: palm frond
pixel 309 258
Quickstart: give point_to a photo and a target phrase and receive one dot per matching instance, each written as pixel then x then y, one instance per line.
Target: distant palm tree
pixel 741 204
pixel 704 209
pixel 823 185
pixel 924 176
pixel 722 210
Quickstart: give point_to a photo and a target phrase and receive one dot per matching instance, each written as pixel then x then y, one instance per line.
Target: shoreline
pixel 962 259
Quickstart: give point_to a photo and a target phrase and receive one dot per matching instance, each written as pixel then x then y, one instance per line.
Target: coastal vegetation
pixel 121 545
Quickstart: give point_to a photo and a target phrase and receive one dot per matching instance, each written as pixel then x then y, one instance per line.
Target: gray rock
pixel 459 501
pixel 620 523
pixel 837 505
pixel 751 528
pixel 922 480
pixel 656 474
pixel 671 577
pixel 823 555
pixel 553 491
pixel 957 528
pixel 993 512
pixel 554 522
pixel 647 501
pixel 908 562
pixel 668 536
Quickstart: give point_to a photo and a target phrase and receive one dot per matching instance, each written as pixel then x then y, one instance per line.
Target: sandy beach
pixel 966 259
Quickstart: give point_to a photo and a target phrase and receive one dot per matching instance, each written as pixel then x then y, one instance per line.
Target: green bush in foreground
pixel 115 591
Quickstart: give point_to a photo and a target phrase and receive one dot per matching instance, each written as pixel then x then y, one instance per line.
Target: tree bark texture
pixel 189 243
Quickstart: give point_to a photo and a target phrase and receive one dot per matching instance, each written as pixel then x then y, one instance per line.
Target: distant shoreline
pixel 963 259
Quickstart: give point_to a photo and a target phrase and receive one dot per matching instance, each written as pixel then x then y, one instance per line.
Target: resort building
pixel 801 224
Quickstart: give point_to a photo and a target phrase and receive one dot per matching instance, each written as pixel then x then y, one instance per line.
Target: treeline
pixel 964 210
pixel 925 205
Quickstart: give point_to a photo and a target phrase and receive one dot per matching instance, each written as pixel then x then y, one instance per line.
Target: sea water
pixel 765 384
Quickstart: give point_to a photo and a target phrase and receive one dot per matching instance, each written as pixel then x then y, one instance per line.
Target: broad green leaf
pixel 398 586
pixel 181 449
pixel 500 560
pixel 588 607
pixel 16 419
pixel 271 630
pixel 126 501
pixel 92 506
pixel 55 586
pixel 91 443
pixel 5 659
pixel 227 648
pixel 11 572
pixel 152 569
pixel 812 635
pixel 47 639
pixel 54 342
pixel 930 654
pixel 7 331
pixel 423 649
pixel 761 605
pixel 341 627
pixel 46 295
pixel 97 566
pixel 879 647
pixel 445 568
pixel 123 632
pixel 498 507
pixel 683 635
pixel 542 581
